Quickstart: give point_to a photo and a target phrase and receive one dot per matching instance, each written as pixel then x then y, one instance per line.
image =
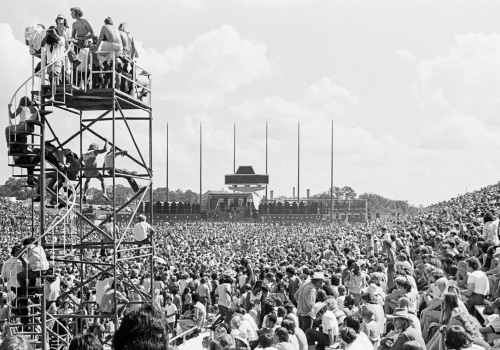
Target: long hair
pixel 450 302
pixel 457 338
pixel 142 329
pixel 51 39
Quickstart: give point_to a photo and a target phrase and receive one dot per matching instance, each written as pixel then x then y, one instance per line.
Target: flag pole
pixel 331 177
pixel 298 162
pixel 167 163
pixel 234 148
pixel 266 159
pixel 201 158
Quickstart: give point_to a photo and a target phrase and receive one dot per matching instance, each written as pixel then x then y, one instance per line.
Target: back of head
pixel 226 340
pixel 15 342
pixel 457 338
pixel 413 345
pixel 289 324
pixel 28 241
pixel 353 323
pixel 266 340
pixel 348 335
pixel 282 334
pixel 142 329
pixel 123 27
pixel 25 101
pixel 85 342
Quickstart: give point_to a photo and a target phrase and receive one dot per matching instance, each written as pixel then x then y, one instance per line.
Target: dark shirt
pixel 406 336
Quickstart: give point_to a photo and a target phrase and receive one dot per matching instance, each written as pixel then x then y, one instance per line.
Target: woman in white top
pixel 27 111
pixel 55 49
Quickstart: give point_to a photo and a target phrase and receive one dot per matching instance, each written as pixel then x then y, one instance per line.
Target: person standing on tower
pixel 89 162
pixel 81 32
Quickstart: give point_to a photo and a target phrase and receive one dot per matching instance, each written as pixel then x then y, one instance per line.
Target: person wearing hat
pixel 306 298
pixel 63 27
pixel 109 166
pixel 89 161
pixel 402 323
pixel 330 327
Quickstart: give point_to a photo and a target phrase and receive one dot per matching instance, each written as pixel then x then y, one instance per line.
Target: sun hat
pixel 318 276
pixel 400 313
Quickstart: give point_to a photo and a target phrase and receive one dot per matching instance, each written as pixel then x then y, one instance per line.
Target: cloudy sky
pixel 412 87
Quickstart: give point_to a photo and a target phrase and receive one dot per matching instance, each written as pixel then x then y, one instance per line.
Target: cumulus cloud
pixel 407 55
pixel 16 63
pixel 459 133
pixel 215 64
pixel 466 78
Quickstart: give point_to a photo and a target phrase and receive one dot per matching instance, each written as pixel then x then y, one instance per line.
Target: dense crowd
pixel 429 280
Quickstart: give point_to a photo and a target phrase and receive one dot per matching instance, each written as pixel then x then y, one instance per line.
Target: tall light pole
pixel 331 177
pixel 167 163
pixel 298 162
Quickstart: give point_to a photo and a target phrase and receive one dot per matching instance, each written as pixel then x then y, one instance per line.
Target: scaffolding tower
pixel 40 153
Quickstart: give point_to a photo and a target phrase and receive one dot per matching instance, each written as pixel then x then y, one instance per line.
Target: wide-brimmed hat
pixel 400 313
pixel 317 275
pixel 229 273
pixel 373 289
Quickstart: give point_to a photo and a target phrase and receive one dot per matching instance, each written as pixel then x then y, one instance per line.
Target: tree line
pixel 16 187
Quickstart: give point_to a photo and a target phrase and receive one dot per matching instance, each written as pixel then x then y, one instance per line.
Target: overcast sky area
pixel 412 87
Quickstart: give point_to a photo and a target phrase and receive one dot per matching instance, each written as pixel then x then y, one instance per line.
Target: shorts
pixel 92 173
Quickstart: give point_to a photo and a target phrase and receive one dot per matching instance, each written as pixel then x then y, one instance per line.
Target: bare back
pixel 111 34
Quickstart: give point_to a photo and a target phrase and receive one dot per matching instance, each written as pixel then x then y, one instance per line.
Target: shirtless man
pixel 129 55
pixel 82 32
pixel 128 43
pixel 110 39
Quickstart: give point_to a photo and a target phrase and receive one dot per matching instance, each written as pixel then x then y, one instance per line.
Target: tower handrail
pixel 60 218
pixel 42 70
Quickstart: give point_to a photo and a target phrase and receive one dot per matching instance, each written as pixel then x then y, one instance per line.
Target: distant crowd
pixel 423 281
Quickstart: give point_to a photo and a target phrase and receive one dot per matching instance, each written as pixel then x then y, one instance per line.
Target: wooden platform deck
pixel 94 99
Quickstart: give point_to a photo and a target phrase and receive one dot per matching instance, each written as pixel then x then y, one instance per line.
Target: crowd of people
pixel 423 281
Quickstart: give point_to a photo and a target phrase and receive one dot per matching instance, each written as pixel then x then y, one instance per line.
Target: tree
pixel 14 188
pixel 348 192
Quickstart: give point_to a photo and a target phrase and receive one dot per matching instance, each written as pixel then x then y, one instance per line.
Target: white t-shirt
pixel 481 283
pixel 100 287
pixel 52 289
pixel 170 310
pixel 141 230
pixel 329 322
